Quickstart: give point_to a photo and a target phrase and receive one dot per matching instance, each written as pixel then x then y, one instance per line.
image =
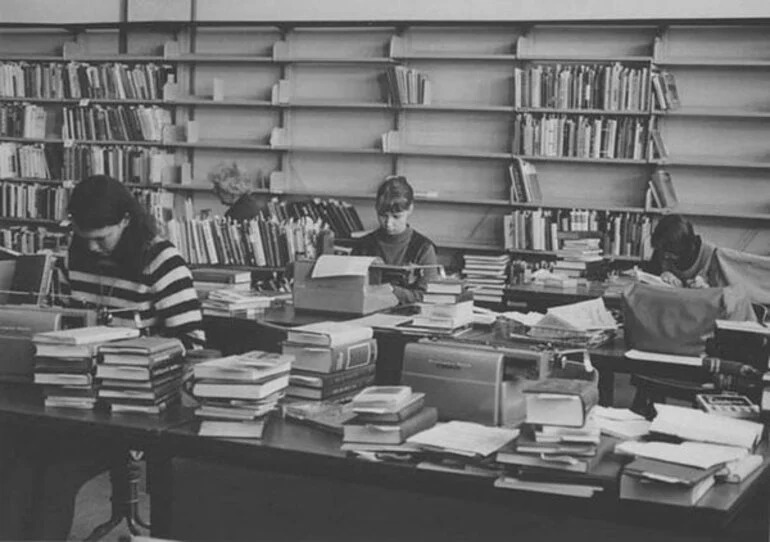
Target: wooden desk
pixel 296 477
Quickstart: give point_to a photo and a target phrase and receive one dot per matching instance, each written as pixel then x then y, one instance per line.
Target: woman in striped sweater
pixel 115 261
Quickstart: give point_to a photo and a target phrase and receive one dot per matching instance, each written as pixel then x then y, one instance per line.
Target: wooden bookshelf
pixel 456 147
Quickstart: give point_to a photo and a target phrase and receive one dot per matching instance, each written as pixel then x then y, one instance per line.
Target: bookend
pixel 124 481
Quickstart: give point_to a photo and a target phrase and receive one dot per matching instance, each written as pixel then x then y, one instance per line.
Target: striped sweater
pixel 164 298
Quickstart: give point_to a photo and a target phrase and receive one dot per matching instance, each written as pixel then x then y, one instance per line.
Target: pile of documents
pixel 486 276
pixel 332 360
pixel 715 448
pixel 142 374
pixel 386 415
pixel 66 360
pixel 446 304
pixel 238 303
pixel 237 392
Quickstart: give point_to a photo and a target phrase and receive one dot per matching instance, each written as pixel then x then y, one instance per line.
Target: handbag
pixel 679 320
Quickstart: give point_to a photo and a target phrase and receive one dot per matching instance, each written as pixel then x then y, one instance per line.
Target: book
pixel 31 280
pixel 221 275
pixel 132 372
pixel 382 398
pixel 391 433
pixel 664 188
pixel 297 387
pixel 65 379
pixel 333 359
pixel 744 342
pixel 45 364
pixel 255 366
pixel 464 438
pixel 728 404
pixel 557 461
pixel 85 335
pixel 232 429
pixel 144 351
pixel 556 488
pixel 446 286
pixel 328 334
pixel 560 401
pixel 326 415
pixel 691 424
pixel 657 481
pixel 415 404
pixel 241 390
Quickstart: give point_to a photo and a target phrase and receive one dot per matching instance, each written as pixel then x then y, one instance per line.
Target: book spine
pixel 354 355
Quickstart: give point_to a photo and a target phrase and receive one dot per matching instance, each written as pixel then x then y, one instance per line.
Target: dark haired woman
pixel 115 261
pixel 397 243
pixel 683 258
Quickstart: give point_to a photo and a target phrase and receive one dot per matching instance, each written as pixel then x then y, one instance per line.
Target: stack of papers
pixel 464 438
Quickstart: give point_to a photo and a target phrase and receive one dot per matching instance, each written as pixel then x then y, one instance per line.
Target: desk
pixel 300 480
pixel 539 297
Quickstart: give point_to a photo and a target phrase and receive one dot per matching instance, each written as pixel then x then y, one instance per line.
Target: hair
pixel 394 195
pixel 673 234
pixel 100 201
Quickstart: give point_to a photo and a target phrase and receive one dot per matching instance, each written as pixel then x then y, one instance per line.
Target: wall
pixel 90 11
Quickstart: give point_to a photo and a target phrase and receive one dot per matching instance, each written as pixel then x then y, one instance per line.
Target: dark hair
pixel 394 195
pixel 100 201
pixel 673 234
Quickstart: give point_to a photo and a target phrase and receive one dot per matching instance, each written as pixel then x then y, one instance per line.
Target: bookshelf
pixel 304 104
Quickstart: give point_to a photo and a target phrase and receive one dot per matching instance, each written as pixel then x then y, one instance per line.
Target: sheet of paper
pixel 466 438
pixel 586 315
pixel 692 424
pixel 617 414
pixel 528 319
pixel 381 320
pixel 332 265
pixel 752 327
pixel 639 355
pixel 626 429
pixel 701 455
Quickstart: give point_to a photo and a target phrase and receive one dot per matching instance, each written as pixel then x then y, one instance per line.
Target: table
pixel 294 466
pixel 538 297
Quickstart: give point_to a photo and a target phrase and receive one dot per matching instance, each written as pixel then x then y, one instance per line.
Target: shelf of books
pixel 597 112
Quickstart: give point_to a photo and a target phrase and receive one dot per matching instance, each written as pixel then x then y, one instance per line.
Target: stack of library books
pixel 447 304
pixel 237 392
pixel 486 276
pixel 559 436
pixel 142 375
pixel 580 258
pixel 65 363
pixel 237 303
pixel 385 417
pixel 710 449
pixel 333 361
pixel 208 279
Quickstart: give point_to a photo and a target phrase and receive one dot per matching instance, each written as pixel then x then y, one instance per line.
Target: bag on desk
pixel 679 320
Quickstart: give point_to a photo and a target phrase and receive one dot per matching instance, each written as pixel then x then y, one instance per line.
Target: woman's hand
pixel 669 278
pixel 697 282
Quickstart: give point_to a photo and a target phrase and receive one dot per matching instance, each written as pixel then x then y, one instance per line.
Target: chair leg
pixel 124 479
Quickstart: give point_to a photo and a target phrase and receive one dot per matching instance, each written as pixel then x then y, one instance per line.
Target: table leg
pixel 606 387
pixel 159 487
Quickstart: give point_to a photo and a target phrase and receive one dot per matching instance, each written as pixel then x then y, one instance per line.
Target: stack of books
pixel 447 304
pixel 559 434
pixel 141 375
pixel 65 362
pixel 333 361
pixel 486 276
pixel 237 392
pixel 235 303
pixel 386 416
pixel 580 258
pixel 207 279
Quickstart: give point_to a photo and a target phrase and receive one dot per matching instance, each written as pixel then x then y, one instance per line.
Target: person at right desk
pixel 397 243
pixel 682 258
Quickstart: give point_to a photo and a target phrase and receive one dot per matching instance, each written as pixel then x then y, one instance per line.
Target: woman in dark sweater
pixel 397 243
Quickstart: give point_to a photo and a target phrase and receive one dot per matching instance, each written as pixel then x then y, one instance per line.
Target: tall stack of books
pixel 579 257
pixel 486 276
pixel 386 416
pixel 446 304
pixel 560 434
pixel 141 375
pixel 65 363
pixel 332 360
pixel 237 392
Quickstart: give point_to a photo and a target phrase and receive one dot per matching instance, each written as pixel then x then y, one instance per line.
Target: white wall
pixel 89 11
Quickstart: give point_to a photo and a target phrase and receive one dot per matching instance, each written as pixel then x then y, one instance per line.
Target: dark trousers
pixel 40 476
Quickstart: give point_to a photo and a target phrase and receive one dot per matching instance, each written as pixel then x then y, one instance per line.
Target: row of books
pixel 32 240
pixel 401 85
pixel 611 87
pixel 580 136
pixel 340 216
pixel 23 120
pixel 256 242
pixel 622 234
pixel 26 200
pixel 30 161
pixel 524 187
pixel 115 123
pixel 113 80
pixel 135 165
